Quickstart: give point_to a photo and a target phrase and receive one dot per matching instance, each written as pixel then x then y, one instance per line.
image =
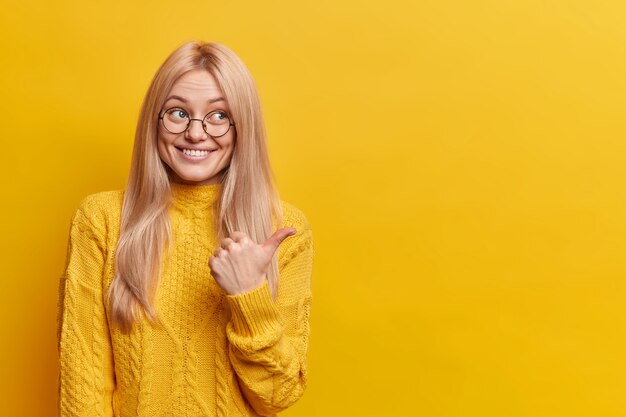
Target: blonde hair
pixel 247 202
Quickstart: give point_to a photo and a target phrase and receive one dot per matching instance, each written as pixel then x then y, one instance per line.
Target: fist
pixel 240 265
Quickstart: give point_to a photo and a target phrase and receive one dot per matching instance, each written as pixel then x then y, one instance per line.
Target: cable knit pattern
pixel 211 354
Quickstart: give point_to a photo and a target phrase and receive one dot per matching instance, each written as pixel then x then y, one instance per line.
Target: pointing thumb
pixel 277 238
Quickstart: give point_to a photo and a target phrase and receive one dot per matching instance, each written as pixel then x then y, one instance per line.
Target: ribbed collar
pixel 194 198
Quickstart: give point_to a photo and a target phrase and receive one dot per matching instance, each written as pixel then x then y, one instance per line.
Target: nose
pixel 196 130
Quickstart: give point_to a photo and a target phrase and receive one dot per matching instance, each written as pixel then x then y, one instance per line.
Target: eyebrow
pixel 179 98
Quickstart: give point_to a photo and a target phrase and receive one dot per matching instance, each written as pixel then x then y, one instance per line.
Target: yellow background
pixel 462 164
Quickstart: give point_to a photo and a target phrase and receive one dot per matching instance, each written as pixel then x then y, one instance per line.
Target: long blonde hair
pixel 248 200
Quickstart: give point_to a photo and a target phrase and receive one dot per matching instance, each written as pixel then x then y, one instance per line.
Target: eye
pixel 217 117
pixel 177 114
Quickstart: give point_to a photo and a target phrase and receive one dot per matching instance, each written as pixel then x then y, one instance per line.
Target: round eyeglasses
pixel 177 120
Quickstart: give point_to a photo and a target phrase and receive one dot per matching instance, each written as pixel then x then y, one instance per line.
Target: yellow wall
pixel 462 164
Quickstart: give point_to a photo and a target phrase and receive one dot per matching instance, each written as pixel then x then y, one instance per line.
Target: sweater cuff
pixel 254 312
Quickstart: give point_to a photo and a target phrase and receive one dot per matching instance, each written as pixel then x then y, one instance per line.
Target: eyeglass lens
pixel 215 123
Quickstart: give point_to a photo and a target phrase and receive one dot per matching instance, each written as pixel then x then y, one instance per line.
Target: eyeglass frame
pixel 200 120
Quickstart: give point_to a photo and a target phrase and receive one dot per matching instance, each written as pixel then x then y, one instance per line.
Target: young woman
pixel 188 293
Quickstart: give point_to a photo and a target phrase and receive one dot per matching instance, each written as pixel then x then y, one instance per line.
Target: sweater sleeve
pixel 268 338
pixel 86 379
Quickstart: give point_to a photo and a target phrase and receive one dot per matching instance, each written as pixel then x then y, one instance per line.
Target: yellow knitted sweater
pixel 212 354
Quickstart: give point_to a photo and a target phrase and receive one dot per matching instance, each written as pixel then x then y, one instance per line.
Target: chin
pixel 196 178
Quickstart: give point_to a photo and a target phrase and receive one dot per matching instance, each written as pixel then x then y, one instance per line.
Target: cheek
pixel 164 154
pixel 163 147
pixel 229 153
pixel 230 146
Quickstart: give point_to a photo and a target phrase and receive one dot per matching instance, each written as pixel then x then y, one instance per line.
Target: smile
pixel 195 152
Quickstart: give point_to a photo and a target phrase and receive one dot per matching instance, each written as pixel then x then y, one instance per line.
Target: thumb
pixel 272 242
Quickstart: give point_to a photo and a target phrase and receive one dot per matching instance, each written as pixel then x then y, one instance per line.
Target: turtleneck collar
pixel 194 198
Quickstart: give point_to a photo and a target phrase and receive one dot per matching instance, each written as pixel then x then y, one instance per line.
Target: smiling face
pixel 193 156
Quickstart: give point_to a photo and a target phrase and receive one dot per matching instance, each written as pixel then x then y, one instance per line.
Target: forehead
pixel 195 85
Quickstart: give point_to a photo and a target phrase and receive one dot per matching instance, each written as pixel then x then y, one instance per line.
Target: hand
pixel 240 265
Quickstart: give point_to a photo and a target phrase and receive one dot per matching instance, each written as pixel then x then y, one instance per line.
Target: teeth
pixel 194 152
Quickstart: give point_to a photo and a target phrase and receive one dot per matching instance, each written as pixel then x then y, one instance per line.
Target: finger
pixel 237 236
pixel 227 242
pixel 277 238
pixel 219 252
